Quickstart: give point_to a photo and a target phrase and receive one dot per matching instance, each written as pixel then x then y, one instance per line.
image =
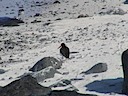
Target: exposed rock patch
pixel 62 83
pixel 44 74
pixel 116 11
pixel 26 86
pixel 6 21
pixel 98 68
pixel 46 62
pixel 83 16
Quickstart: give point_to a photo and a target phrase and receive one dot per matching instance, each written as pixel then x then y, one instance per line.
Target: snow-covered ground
pixel 99 38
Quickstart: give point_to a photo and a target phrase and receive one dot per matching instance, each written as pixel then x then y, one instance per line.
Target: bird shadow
pixel 74 52
pixel 106 86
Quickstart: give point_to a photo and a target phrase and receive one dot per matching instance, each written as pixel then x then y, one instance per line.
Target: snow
pixel 92 40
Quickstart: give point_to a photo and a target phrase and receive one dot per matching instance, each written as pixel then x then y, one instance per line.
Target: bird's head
pixel 62 45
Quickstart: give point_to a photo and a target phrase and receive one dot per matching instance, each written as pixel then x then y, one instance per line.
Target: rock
pixel 126 2
pixel 2 71
pixel 26 86
pixel 36 21
pixel 67 93
pixel 58 19
pixel 83 16
pixel 62 83
pixel 46 24
pixel 46 62
pixel 98 68
pixel 20 11
pixel 56 2
pixel 6 21
pixel 125 71
pixel 115 11
pixel 44 74
pixel 118 11
pixel 37 14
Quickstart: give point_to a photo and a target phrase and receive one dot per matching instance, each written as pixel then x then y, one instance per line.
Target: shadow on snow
pixel 106 86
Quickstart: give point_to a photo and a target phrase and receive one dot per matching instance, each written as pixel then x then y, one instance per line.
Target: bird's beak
pixel 59 47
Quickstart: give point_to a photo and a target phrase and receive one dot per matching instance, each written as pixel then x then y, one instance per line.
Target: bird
pixel 64 50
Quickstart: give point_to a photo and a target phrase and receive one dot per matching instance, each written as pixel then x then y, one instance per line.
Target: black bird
pixel 64 50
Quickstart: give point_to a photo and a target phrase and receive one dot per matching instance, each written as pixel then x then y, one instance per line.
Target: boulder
pixel 114 11
pixel 126 2
pixel 98 68
pixel 44 74
pixel 2 71
pixel 46 62
pixel 124 59
pixel 83 16
pixel 26 86
pixel 56 2
pixel 7 21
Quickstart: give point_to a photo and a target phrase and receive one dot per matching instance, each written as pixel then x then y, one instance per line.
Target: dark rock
pixel 26 86
pixel 116 11
pixel 58 19
pixel 37 14
pixel 46 24
pixel 2 71
pixel 36 21
pixel 46 62
pixel 20 11
pixel 41 75
pixel 6 21
pixel 56 2
pixel 98 68
pixel 67 93
pixel 125 71
pixel 126 2
pixel 83 16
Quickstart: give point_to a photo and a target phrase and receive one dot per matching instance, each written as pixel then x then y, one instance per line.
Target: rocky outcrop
pixel 46 62
pixel 98 68
pixel 125 71
pixel 26 86
pixel 6 21
pixel 114 11
pixel 44 74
